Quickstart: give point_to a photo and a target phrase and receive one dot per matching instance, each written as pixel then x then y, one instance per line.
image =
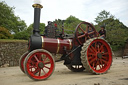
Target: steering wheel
pixel 82 32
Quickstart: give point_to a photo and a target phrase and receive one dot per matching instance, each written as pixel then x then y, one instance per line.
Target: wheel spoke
pixel 105 53
pixel 95 44
pixel 80 36
pixel 39 56
pixel 98 48
pixel 82 30
pixel 101 48
pixel 85 39
pixel 39 72
pixel 32 62
pixel 104 61
pixel 47 62
pixel 92 60
pixel 44 71
pixel 93 48
pixel 104 57
pixel 36 70
pixel 93 54
pixel 46 67
pixel 101 63
pixel 36 58
pixel 89 37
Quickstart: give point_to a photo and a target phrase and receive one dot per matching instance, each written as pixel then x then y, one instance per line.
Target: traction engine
pixel 84 50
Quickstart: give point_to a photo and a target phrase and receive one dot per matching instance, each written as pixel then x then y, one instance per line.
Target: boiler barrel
pixel 56 45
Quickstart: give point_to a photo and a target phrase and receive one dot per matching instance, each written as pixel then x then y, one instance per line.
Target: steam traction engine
pixel 84 50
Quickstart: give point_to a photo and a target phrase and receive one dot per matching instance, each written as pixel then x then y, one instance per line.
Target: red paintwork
pixel 33 69
pixel 81 38
pixel 52 45
pixel 99 65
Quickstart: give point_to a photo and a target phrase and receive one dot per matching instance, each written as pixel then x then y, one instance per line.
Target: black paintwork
pixel 35 39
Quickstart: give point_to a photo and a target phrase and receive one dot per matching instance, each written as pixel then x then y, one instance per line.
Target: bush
pixel 117 32
pixel 5 34
pixel 24 35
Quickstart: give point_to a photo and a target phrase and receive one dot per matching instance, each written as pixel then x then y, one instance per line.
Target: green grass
pixel 12 40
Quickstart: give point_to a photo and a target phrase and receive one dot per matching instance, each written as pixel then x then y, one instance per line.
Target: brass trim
pixel 42 41
pixel 58 48
pixel 70 43
pixel 37 6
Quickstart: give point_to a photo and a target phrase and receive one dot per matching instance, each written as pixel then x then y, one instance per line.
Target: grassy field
pixel 12 40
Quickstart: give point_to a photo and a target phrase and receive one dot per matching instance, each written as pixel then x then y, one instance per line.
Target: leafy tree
pixel 117 32
pixel 4 33
pixel 8 19
pixel 70 24
pixel 103 15
pixel 28 32
pixel 30 28
pixel 22 35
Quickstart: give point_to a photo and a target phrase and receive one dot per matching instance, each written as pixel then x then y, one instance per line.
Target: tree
pixel 70 24
pixel 103 15
pixel 117 32
pixel 8 19
pixel 28 32
pixel 4 33
pixel 41 28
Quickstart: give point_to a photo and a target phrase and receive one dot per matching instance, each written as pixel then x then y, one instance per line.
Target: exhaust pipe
pixel 35 41
pixel 37 10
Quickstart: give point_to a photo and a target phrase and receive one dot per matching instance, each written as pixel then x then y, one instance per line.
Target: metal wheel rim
pixel 84 35
pixel 94 61
pixel 39 73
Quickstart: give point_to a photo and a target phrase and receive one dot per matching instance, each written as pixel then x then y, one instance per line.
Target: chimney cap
pixel 37 6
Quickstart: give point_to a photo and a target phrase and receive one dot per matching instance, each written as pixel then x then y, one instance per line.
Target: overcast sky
pixel 86 10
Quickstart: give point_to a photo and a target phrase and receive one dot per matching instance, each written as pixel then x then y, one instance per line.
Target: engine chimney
pixel 37 10
pixel 35 41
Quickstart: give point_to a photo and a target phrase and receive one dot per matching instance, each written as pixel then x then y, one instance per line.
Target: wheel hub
pixel 99 55
pixel 40 65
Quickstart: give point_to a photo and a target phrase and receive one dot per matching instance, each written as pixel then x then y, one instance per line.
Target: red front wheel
pixel 39 64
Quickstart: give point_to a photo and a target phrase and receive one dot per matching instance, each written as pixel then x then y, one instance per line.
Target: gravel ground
pixel 117 75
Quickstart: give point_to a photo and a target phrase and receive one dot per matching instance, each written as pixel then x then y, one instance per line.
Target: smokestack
pixel 37 8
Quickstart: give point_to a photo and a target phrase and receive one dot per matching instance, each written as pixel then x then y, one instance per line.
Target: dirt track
pixel 117 75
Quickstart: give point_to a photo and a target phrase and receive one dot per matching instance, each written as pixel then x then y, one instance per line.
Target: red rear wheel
pixel 39 64
pixel 21 61
pixel 96 56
